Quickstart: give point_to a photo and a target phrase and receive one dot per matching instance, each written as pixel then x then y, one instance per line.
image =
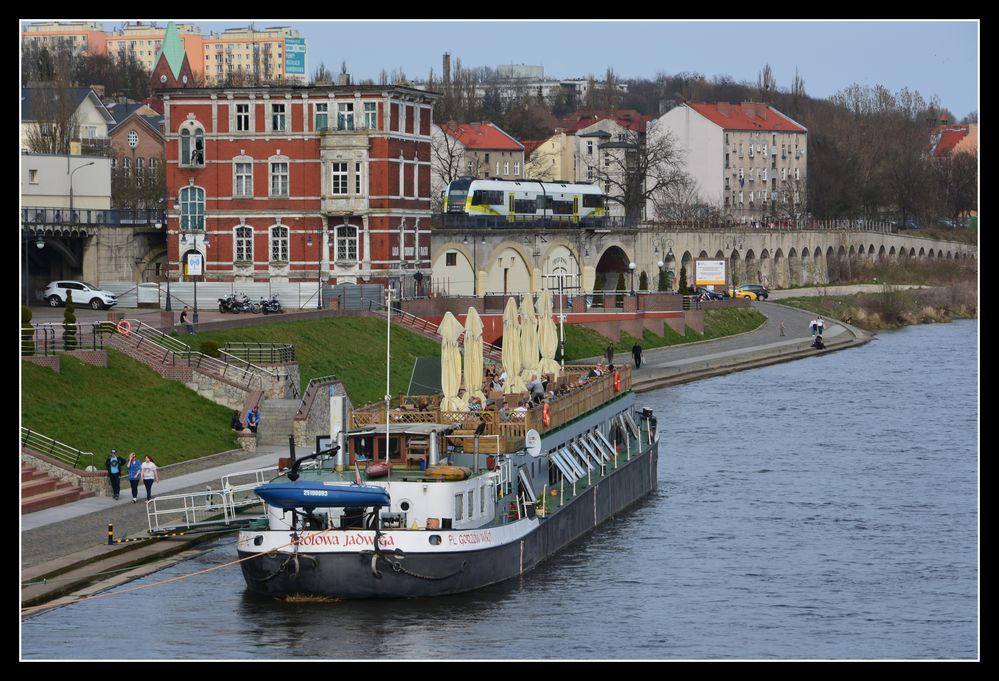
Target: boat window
pixel 471 503
pixel 393 447
pixel 435 540
pixel 363 449
pixel 404 506
pixel 459 506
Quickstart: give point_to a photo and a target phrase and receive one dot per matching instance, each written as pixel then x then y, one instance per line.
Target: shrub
pixel 69 323
pixel 643 281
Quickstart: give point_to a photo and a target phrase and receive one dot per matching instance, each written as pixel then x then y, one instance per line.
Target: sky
pixel 933 57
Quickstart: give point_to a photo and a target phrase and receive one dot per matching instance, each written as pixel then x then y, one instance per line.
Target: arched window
pixel 192 144
pixel 279 243
pixel 243 243
pixel 346 242
pixel 192 208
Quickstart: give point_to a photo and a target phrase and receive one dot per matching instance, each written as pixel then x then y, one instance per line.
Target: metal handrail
pixel 53 338
pixel 314 383
pixel 53 448
pixel 271 353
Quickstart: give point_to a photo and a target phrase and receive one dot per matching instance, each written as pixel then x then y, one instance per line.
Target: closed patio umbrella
pixel 529 353
pixel 547 335
pixel 449 330
pixel 473 355
pixel 511 349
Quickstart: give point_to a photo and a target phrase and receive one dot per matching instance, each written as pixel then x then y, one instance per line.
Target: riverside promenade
pixel 64 549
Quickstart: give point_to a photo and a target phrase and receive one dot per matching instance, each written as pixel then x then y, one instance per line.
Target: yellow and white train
pixel 498 203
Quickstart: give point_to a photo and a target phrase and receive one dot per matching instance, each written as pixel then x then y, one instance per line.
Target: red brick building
pixel 299 183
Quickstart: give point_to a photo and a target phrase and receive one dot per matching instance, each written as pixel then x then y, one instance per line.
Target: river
pixel 825 508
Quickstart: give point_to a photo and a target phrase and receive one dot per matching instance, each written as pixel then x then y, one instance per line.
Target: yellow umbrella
pixel 449 331
pixel 473 355
pixel 547 335
pixel 529 361
pixel 511 349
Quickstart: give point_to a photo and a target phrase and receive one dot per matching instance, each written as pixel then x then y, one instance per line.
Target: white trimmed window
pixel 506 167
pixel 371 115
pixel 138 165
pixel 516 168
pixel 357 179
pixel 243 243
pixel 278 117
pixel 338 177
pixel 192 144
pixel 322 115
pixel 345 116
pixel 346 242
pixel 192 208
pixel 243 175
pixel 279 243
pixel 279 178
pixel 242 117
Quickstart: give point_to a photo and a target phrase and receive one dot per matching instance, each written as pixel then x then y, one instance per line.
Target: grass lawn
pixel 126 406
pixel 350 348
pixel 583 342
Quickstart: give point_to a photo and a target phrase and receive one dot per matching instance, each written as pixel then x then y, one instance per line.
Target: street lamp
pixel 72 217
pixel 632 266
pixel 319 264
pixel 195 268
pixel 667 245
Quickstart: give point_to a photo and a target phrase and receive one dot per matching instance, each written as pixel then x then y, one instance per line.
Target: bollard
pixel 110 534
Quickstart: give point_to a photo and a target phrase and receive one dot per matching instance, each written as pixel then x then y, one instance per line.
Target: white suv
pixel 83 294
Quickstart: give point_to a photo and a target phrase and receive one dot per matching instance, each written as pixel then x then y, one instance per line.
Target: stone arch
pixel 151 266
pixel 781 277
pixel 669 265
pixel 560 268
pixel 922 253
pixel 832 265
pixel 793 267
pixel 892 255
pixel 687 263
pixel 612 263
pixel 949 256
pixel 807 266
pixel 912 253
pixel 752 274
pixel 457 278
pixel 871 254
pixel 509 271
pixel 766 268
pixel 882 254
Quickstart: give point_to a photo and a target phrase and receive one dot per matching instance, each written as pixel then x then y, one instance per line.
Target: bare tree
pixel 634 169
pixel 55 123
pixel 680 201
pixel 447 162
pixel 322 75
pixel 766 84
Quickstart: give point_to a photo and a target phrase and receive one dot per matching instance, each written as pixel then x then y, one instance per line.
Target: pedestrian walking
pixel 814 325
pixel 636 350
pixel 782 327
pixel 113 465
pixel 184 322
pixel 820 326
pixel 609 353
pixel 134 468
pixel 150 474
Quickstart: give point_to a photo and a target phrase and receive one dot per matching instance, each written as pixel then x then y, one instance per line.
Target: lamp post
pixel 40 244
pixel 195 268
pixel 667 247
pixel 734 244
pixel 319 265
pixel 632 266
pixel 71 215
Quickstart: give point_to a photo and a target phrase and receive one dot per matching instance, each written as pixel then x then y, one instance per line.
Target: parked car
pixel 706 294
pixel 83 294
pixel 741 293
pixel 761 291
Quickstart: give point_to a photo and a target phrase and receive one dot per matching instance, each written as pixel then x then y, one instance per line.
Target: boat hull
pixel 371 574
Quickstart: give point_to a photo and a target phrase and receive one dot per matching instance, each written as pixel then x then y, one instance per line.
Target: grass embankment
pixel 126 406
pixel 892 308
pixel 350 348
pixel 582 342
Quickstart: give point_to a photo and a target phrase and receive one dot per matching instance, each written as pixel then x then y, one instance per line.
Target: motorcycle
pixel 245 305
pixel 272 306
pixel 228 304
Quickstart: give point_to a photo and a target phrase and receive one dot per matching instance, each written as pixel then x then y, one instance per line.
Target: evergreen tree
pixel 643 281
pixel 662 279
pixel 684 291
pixel 69 323
pixel 620 287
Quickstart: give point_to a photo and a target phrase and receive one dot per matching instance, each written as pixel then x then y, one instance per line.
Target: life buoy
pixel 617 382
pixel 124 327
pixel 546 415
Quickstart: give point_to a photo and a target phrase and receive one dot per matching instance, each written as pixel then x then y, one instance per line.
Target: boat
pixel 537 482
pixel 378 470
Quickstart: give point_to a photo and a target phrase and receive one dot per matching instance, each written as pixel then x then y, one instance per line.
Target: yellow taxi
pixel 739 293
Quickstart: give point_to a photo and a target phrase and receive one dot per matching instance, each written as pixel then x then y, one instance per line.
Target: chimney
pixel 724 108
pixel 447 68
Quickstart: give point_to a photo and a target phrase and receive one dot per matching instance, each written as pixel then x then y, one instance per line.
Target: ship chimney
pixel 435 455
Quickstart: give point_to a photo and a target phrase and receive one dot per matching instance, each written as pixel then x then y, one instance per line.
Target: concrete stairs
pixel 39 490
pixel 277 421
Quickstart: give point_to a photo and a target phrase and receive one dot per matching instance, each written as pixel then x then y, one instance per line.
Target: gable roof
pixel 154 122
pixel 31 97
pixel 946 139
pixel 746 116
pixel 481 136
pixel 172 49
pixel 626 118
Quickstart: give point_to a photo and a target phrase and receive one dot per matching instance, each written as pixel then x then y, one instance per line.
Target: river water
pixel 821 509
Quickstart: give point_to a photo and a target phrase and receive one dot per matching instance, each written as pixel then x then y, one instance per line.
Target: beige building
pixel 487 151
pixel 257 53
pixel 143 41
pixel 84 37
pixel 553 159
pixel 748 159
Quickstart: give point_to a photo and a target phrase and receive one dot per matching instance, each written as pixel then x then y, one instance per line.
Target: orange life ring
pixel 546 415
pixel 617 382
pixel 124 327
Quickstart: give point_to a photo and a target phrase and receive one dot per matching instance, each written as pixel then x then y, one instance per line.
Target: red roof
pixel 746 116
pixel 481 136
pixel 626 118
pixel 531 145
pixel 949 137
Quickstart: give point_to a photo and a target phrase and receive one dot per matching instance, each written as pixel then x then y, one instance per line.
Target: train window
pixel 542 202
pixel 562 207
pixel 483 197
pixel 593 201
pixel 525 206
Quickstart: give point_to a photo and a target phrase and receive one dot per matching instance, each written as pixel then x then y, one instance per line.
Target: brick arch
pixel 781 276
pixel 793 267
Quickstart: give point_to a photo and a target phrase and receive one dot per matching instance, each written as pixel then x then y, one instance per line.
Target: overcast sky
pixel 934 57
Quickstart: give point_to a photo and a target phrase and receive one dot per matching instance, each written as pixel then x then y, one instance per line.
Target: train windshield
pixel 457 193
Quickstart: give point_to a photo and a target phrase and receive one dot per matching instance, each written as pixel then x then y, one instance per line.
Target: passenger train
pixel 498 203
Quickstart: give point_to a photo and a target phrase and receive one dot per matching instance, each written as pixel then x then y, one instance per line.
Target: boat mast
pixel 388 363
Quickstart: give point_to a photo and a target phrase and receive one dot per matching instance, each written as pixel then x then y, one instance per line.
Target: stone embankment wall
pixel 93 481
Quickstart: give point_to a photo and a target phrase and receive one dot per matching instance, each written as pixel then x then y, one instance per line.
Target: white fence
pixel 293 296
